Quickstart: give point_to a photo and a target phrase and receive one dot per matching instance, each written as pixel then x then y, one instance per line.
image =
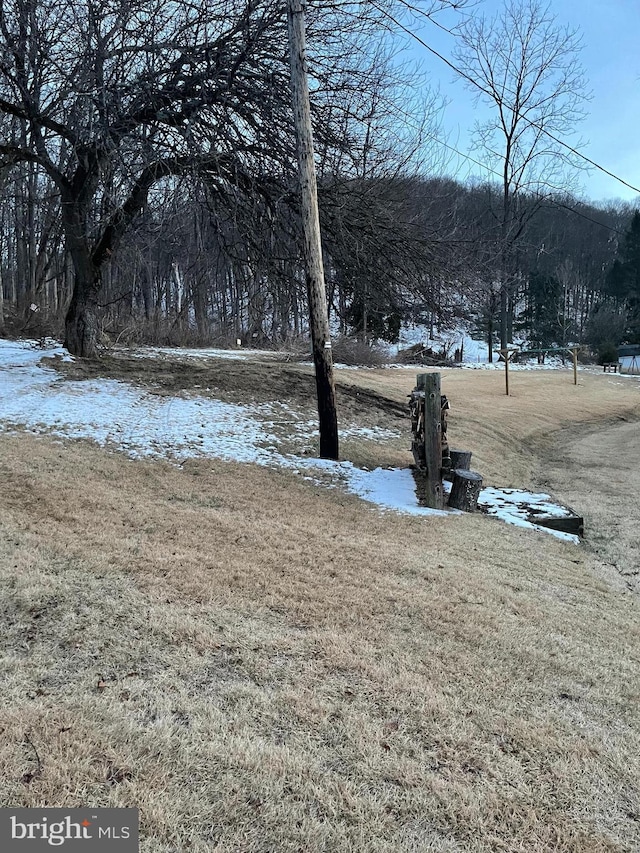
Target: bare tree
pixel 115 98
pixel 118 97
pixel 526 67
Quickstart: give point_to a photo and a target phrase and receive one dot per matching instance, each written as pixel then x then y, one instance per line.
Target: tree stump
pixel 465 490
pixel 460 460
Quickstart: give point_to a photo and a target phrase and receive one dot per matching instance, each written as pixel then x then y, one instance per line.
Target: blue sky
pixel 610 31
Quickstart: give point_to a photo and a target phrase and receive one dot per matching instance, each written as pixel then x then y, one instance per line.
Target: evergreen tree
pixel 543 312
pixel 623 280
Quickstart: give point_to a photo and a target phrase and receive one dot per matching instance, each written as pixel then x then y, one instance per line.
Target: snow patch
pixel 458 337
pixel 516 506
pixel 195 353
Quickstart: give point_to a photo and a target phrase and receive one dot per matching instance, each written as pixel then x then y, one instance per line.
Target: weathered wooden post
pixel 430 384
pixel 574 353
pixel 312 247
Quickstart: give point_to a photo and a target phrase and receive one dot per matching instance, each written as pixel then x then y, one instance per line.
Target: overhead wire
pixel 554 202
pixel 478 86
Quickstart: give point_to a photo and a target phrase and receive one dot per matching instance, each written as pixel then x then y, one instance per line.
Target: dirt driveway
pixel 596 469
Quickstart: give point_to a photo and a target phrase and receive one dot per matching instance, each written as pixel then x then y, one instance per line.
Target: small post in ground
pixel 505 354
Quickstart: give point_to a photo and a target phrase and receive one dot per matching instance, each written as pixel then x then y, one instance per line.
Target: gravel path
pixel 596 470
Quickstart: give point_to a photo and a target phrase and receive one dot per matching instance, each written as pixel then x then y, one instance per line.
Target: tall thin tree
pixel 526 67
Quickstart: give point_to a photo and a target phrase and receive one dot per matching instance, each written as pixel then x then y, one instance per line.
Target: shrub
pixel 354 352
pixel 607 352
pixel 605 327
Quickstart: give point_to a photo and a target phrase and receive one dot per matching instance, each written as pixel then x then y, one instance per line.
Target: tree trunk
pixel 1 302
pixel 365 319
pixel 146 291
pixel 81 323
pixel 199 299
pixel 20 238
pixel 460 460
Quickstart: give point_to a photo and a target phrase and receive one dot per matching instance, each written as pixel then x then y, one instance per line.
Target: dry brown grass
pixel 264 665
pixel 508 434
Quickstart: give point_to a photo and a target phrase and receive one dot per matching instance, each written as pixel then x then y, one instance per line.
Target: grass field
pixel 262 664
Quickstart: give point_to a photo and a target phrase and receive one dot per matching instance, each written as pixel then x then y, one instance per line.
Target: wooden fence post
pixel 430 384
pixel 505 354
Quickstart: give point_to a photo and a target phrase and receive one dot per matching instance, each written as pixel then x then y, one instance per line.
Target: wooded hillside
pixel 148 185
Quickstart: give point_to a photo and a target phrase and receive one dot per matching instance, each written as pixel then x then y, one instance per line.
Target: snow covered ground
pixel 182 353
pixel 473 352
pixel 36 397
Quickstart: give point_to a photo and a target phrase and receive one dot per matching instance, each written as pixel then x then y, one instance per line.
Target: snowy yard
pixel 142 423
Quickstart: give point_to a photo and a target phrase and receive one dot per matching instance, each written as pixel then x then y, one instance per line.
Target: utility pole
pixel 318 314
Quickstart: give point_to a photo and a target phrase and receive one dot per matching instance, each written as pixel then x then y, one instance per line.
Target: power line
pixel 475 83
pixel 429 16
pixel 588 218
pixel 554 203
pixel 421 130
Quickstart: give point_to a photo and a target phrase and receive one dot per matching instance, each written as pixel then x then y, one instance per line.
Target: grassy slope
pixel 264 665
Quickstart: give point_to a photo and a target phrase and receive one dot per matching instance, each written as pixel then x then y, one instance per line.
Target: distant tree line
pixel 396 249
pixel 149 193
